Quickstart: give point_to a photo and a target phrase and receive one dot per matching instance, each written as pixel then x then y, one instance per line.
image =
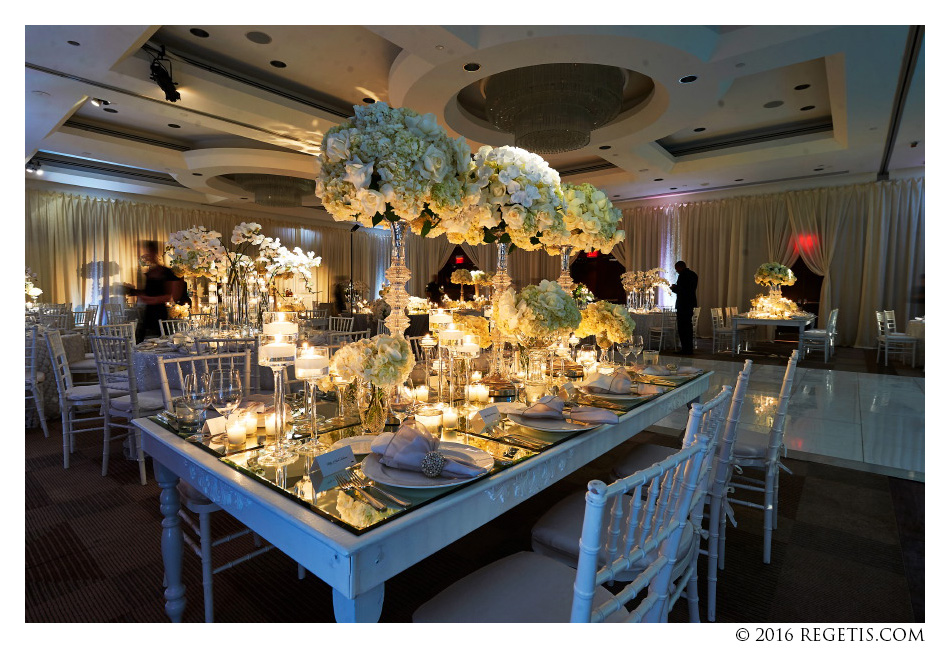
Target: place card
pixel 336 460
pixel 485 418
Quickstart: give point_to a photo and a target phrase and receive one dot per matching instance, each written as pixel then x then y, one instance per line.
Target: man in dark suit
pixel 685 289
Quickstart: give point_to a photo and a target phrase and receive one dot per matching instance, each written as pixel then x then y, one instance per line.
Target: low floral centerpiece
pixel 474 325
pixel 537 315
pixel 610 323
pixel 380 363
pixel 582 295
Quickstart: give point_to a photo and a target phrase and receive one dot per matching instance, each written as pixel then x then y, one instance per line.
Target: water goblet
pixel 637 346
pixel 402 401
pixel 226 391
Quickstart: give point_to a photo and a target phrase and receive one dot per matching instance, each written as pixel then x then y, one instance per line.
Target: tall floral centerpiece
pixel 277 262
pixel 590 222
pixel 32 292
pixel 394 165
pixel 640 285
pixel 381 363
pixel 610 323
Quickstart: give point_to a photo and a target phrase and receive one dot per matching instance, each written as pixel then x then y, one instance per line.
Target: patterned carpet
pixel 849 548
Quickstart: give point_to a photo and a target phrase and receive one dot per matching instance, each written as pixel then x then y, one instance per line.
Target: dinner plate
pixel 359 444
pixel 387 476
pixel 550 425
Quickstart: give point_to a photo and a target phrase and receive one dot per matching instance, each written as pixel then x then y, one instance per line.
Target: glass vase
pixel 373 409
pixel 604 343
pixel 501 282
pixel 564 280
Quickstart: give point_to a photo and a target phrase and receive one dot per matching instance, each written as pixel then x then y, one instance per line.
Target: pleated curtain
pixel 425 257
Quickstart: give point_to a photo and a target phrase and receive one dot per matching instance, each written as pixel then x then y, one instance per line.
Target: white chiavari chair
pixel 34 378
pixel 745 331
pixel 663 331
pixel 172 326
pixel 80 403
pixel 117 375
pixel 191 498
pixel 202 320
pixel 823 339
pixel 57 309
pixel 758 450
pixel 900 344
pixel 125 329
pixel 113 314
pixel 722 335
pixel 341 324
pixel 649 511
pixel 556 532
pixel 210 345
pixel 381 328
pixel 56 320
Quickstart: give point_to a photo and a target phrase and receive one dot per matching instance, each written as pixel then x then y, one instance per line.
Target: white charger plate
pixel 387 476
pixel 550 425
pixel 359 444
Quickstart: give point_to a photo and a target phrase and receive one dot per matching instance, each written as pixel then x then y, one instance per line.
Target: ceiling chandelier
pixel 275 190
pixel 553 108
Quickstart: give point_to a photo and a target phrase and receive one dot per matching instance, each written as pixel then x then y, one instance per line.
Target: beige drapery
pixel 425 257
pixel 81 246
pixel 485 256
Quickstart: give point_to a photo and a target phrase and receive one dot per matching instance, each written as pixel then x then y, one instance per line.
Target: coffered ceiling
pixel 768 103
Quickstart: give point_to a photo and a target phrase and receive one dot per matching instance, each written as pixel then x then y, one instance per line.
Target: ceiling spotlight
pixel 163 77
pixel 99 102
pixel 34 167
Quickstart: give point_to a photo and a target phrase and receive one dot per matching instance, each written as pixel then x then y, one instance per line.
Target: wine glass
pixel 196 390
pixel 587 356
pixel 402 401
pixel 625 348
pixel 637 345
pixel 226 391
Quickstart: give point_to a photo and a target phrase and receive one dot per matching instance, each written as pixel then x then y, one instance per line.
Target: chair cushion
pixel 85 365
pixel 148 400
pixel 522 588
pixel 641 457
pixel 557 535
pixel 88 392
pixel 750 443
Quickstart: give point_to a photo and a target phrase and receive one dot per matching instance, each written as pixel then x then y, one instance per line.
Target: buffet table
pixel 743 318
pixel 357 564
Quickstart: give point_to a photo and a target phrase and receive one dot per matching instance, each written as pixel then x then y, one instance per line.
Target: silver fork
pixel 346 484
pixel 364 482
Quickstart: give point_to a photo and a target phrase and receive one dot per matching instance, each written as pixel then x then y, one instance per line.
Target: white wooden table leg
pixel 365 608
pixel 171 542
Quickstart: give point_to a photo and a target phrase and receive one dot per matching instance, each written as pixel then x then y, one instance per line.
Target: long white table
pixel 357 566
pixel 743 318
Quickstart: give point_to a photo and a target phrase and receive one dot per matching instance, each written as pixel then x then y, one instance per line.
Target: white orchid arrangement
pixel 393 164
pixel 643 279
pixel 512 196
pixel 537 311
pixel 31 290
pixel 604 318
pixel 197 252
pixel 382 361
pixel 277 261
pixel 590 220
pixel 773 273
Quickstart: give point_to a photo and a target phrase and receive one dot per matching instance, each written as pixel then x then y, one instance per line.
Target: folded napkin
pixel 412 447
pixel 616 383
pixel 687 371
pixel 586 414
pixel 656 370
pixel 568 392
pixel 546 407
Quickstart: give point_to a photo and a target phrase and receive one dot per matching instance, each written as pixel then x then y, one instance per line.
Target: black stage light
pixel 163 78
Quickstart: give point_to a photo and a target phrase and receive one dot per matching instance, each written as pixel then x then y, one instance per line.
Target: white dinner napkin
pixel 546 407
pixel 656 370
pixel 616 383
pixel 407 447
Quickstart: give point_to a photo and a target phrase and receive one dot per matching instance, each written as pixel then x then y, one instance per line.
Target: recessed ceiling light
pixel 807 108
pixel 110 110
pixel 803 86
pixel 604 147
pixel 616 195
pixel 197 174
pixel 688 78
pixel 243 198
pixel 699 130
pixel 278 64
pixel 643 170
pixel 773 104
pixel 369 100
pixel 818 169
pixel 672 188
pixel 258 37
pixel 440 47
pixel 657 179
pixel 472 67
pixel 174 126
pixel 200 33
pixel 73 43
pixel 739 65
pixel 739 179
pixel 703 184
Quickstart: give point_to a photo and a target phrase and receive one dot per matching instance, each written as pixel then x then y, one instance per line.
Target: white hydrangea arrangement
pixel 394 164
pixel 517 199
pixel 31 290
pixel 590 220
pixel 773 273
pixel 604 318
pixel 197 252
pixel 643 279
pixel 537 311
pixel 382 361
pixel 461 277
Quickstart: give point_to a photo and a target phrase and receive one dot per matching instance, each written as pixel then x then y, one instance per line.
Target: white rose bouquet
pixel 512 196
pixel 774 273
pixel 590 220
pixel 537 311
pixel 604 318
pixel 383 361
pixel 394 164
pixel 461 277
pixel 482 278
pixel 643 279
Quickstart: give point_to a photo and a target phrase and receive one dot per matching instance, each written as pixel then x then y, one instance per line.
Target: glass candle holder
pixel 277 350
pixel 312 364
pixel 431 419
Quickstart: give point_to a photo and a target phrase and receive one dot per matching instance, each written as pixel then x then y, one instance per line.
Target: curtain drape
pixel 530 267
pixel 82 247
pixel 425 257
pixel 485 256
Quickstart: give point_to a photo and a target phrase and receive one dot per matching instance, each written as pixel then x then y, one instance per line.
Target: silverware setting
pixel 346 484
pixel 363 482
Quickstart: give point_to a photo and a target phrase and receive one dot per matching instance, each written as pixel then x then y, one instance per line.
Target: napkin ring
pixel 433 463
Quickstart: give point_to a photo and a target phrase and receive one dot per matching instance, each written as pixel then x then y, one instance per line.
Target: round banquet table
pixel 915 328
pixel 148 378
pixel 73 344
pixel 643 322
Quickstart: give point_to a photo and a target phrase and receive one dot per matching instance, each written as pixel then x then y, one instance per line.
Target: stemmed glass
pixel 587 356
pixel 196 391
pixel 625 348
pixel 277 350
pixel 636 343
pixel 402 401
pixel 312 364
pixel 226 391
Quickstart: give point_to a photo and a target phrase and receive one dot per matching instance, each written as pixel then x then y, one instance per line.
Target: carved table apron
pixel 357 567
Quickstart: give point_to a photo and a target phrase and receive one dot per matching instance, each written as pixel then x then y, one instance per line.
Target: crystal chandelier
pixel 275 190
pixel 553 108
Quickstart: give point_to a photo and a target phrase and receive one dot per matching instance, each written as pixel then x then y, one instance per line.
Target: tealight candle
pixel 476 376
pixel 237 431
pixel 421 393
pixel 440 317
pixel 270 425
pixel 450 418
pixel 430 418
pixel 450 335
pixel 280 327
pixel 468 346
pixel 573 340
pixel 276 350
pixel 311 363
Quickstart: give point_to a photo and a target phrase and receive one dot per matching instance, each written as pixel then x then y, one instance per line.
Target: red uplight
pixel 593 254
pixel 805 242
